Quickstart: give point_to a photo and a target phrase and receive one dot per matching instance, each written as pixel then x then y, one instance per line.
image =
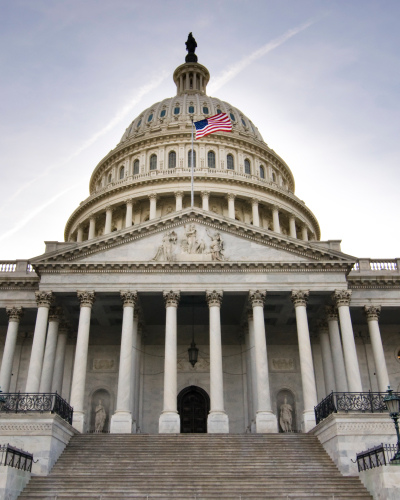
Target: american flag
pixel 216 123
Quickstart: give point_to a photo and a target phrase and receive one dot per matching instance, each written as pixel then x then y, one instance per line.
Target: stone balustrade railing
pixel 377 265
pixel 15 266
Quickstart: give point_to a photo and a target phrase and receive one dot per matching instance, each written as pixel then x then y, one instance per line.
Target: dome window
pixel 153 162
pixel 229 162
pixel 247 167
pixel 136 167
pixel 139 123
pixel 109 178
pixel 172 159
pixel 262 173
pixel 211 159
pixel 244 123
pixel 177 110
pixel 191 109
pixel 252 128
pixel 219 112
pixel 205 110
pixel 273 177
pixel 163 113
pixel 232 117
pixel 190 158
pixel 122 173
pixel 150 117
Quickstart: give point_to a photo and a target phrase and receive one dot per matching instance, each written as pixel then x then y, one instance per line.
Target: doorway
pixel 193 408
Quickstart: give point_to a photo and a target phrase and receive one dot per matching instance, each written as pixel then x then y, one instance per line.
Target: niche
pixel 100 398
pixel 286 411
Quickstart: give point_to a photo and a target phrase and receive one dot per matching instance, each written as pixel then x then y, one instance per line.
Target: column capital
pixel 109 208
pixel 372 313
pixel 300 297
pixel 257 297
pixel 178 194
pixel 291 216
pixel 331 313
pixel 171 298
pixel 255 201
pixel 153 196
pixel 275 208
pixel 129 298
pixel 14 313
pixel 64 327
pixel 249 313
pixel 205 194
pixel 93 216
pixel 86 298
pixel 214 298
pixel 44 299
pixel 322 326
pixel 342 297
pixel 55 313
pixel 230 196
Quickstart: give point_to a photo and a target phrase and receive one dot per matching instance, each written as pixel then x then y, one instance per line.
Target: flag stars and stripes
pixel 216 123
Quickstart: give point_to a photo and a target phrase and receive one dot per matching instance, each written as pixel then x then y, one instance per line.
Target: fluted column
pixel 79 234
pixel 129 212
pixel 205 196
pixel 299 299
pixel 250 320
pixel 327 360
pixel 304 233
pixel 332 319
pixel 50 349
pixel 256 215
pixel 14 316
pixel 231 205
pixel 79 374
pixel 108 225
pixel 43 300
pixel 342 298
pixel 121 421
pixel 153 205
pixel 265 420
pixel 292 226
pixel 372 314
pixel 58 373
pixel 218 421
pixel 92 227
pixel 169 421
pixel 179 198
pixel 275 219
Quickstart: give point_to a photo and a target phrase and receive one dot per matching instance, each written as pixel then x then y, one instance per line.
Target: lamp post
pixel 393 405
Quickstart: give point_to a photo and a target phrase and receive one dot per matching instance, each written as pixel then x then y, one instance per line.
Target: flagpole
pixel 192 197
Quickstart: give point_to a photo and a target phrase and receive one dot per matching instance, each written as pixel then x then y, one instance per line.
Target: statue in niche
pixel 286 416
pixel 101 416
pixel 165 250
pixel 216 246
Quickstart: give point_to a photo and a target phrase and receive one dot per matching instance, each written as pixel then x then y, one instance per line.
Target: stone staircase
pixel 195 466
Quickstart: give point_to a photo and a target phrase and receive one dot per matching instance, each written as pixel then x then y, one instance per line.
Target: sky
pixel 321 81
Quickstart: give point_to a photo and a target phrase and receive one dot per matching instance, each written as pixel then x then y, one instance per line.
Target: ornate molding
pixel 44 299
pixel 331 313
pixel 129 298
pixel 255 201
pixel 55 313
pixel 214 298
pixel 230 196
pixel 86 298
pixel 179 194
pixel 300 297
pixel 257 298
pixel 342 297
pixel 153 196
pixel 372 313
pixel 14 313
pixel 171 298
pixel 205 194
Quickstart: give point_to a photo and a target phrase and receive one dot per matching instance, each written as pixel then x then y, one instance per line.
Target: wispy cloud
pixel 236 68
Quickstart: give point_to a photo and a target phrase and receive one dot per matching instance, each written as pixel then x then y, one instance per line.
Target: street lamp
pixel 393 405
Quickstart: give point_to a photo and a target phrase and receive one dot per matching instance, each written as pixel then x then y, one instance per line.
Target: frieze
pixel 25 427
pixel 104 365
pixel 282 365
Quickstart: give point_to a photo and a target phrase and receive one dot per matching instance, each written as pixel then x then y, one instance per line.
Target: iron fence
pixel 364 402
pixel 376 457
pixel 19 402
pixel 13 457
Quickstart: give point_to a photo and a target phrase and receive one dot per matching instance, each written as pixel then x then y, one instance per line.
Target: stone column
pixel 250 320
pixel 169 421
pixel 299 299
pixel 129 212
pixel 79 234
pixel 275 219
pixel 256 215
pixel 121 421
pixel 108 225
pixel 329 373
pixel 153 205
pixel 92 227
pixel 14 316
pixel 292 226
pixel 44 300
pixel 218 421
pixel 50 350
pixel 58 373
pixel 231 205
pixel 205 196
pixel 336 347
pixel 179 198
pixel 304 233
pixel 372 314
pixel 79 374
pixel 342 298
pixel 265 420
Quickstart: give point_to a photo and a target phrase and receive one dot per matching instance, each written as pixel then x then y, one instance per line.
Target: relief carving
pixel 103 365
pixel 283 365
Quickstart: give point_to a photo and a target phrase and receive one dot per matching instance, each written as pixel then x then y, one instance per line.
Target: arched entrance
pixel 193 408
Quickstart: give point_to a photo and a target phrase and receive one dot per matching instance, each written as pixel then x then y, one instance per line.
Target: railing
pixel 364 402
pixel 18 402
pixel 376 265
pixel 376 457
pixel 13 457
pixel 13 266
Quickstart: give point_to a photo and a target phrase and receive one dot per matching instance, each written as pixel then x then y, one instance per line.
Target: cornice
pixel 374 283
pixel 11 283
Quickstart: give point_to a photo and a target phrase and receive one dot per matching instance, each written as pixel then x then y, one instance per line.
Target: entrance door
pixel 193 408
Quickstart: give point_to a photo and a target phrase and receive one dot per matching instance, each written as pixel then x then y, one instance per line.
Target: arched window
pixel 232 117
pixel 109 177
pixel 177 110
pixel 163 113
pixel 211 159
pixel 262 173
pixel 205 110
pixel 229 163
pixel 139 123
pixel 191 109
pixel 247 167
pixel 244 123
pixel 219 112
pixel 153 162
pixel 172 159
pixel 190 158
pixel 273 177
pixel 150 117
pixel 136 167
pixel 122 173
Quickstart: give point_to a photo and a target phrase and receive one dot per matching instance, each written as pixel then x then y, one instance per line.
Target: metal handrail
pixel 14 457
pixel 376 457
